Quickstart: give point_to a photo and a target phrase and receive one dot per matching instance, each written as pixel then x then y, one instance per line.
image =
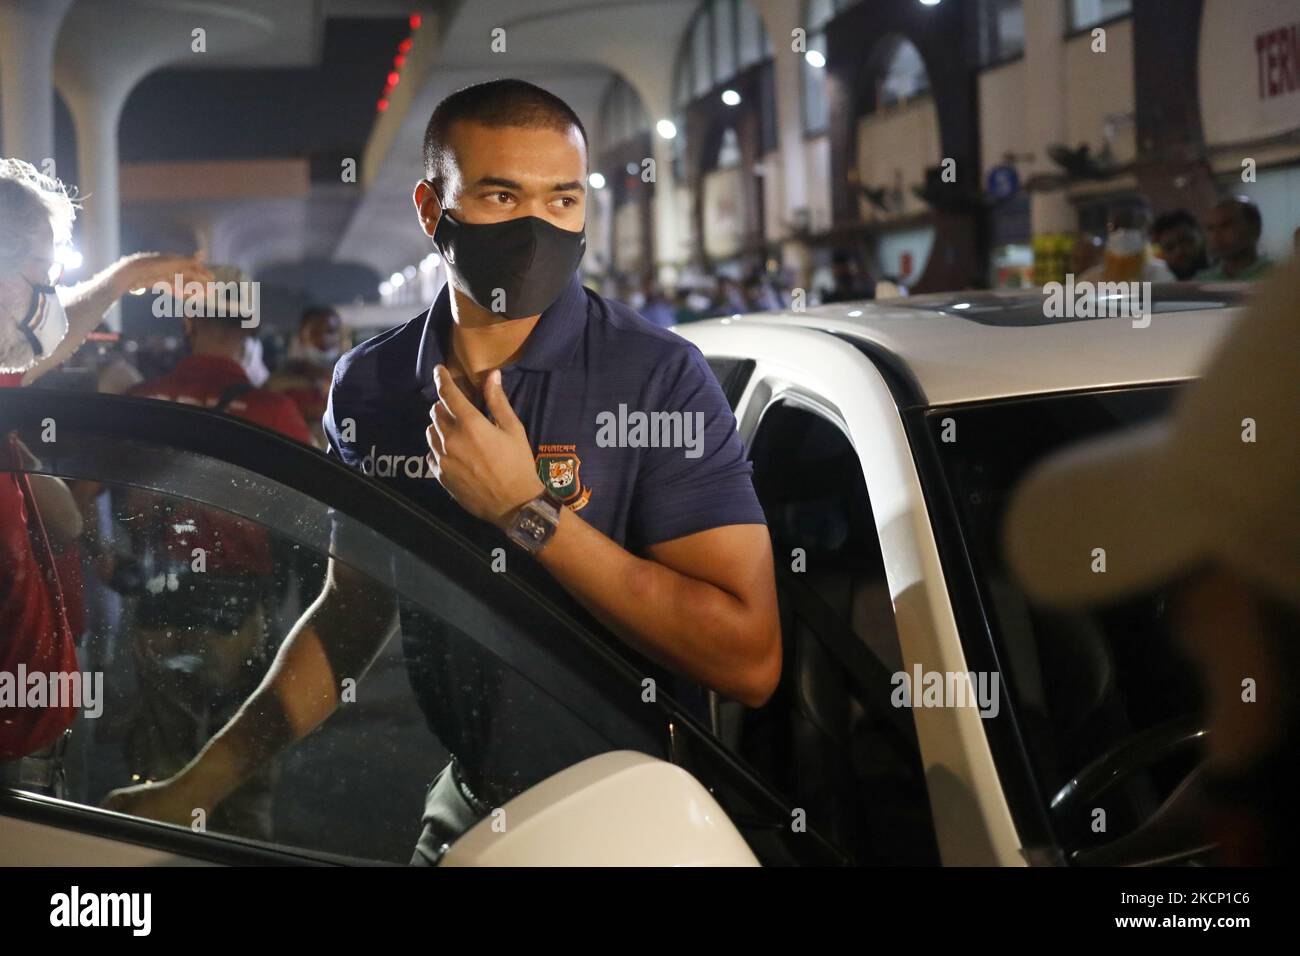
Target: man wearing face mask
pixel 515 363
pixel 40 327
pixel 1127 256
pixel 309 366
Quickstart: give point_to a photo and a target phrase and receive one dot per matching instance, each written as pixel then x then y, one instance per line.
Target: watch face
pixel 533 526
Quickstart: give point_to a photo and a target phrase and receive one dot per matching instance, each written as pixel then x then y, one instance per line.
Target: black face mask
pixel 514 268
pixel 54 325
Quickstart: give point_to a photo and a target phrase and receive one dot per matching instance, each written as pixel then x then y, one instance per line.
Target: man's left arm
pixel 702 603
pixel 88 302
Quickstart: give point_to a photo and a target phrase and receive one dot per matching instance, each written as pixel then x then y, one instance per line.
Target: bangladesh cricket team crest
pixel 559 467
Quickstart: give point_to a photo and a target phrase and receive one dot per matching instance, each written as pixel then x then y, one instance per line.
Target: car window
pixel 829 738
pixel 1086 685
pixel 188 576
pixel 487 666
pixel 732 375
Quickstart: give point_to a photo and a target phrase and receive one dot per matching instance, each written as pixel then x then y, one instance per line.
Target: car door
pixel 517 682
pixel 828 738
pixel 826 377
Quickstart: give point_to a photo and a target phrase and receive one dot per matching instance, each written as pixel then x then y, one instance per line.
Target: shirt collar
pixel 552 344
pixel 217 366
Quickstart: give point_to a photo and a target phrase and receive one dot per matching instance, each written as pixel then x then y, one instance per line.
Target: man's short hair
pixel 28 198
pixel 1249 211
pixel 315 312
pixel 495 103
pixel 1177 219
pixel 225 302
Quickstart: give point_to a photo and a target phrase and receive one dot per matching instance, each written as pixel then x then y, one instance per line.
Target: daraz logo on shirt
pixel 396 466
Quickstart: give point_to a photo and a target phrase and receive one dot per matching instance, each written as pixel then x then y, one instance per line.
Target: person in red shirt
pixel 211 377
pixel 201 630
pixel 308 370
pixel 37 636
pixel 212 370
pixel 41 327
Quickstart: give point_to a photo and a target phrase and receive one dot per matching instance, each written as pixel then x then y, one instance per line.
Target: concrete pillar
pixel 779 18
pixel 28 29
pixel 653 84
pixel 103 51
pixel 668 254
pixel 96 112
pixel 605 210
pixel 1045 78
pixel 1052 217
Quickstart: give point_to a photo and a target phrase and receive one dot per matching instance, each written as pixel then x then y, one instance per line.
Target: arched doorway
pixel 897 140
pixel 905 38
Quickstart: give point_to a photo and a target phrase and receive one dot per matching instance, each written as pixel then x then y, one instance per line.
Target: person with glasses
pixel 41 326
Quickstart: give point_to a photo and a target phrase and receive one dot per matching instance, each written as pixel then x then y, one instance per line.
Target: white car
pixel 884 438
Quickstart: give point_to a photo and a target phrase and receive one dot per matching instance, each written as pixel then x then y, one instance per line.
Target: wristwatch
pixel 535 522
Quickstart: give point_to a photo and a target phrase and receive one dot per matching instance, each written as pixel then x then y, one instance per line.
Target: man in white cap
pixel 1207 499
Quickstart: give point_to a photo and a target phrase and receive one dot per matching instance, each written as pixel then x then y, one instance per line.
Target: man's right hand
pixel 164 801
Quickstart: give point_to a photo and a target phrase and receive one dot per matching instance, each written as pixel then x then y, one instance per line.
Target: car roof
pixel 961 347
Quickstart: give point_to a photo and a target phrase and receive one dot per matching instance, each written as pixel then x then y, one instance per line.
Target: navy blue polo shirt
pixel 628 426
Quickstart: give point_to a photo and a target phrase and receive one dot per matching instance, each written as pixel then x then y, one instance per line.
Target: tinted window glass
pixel 1083 684
pixel 190 574
pixel 733 376
pixel 830 738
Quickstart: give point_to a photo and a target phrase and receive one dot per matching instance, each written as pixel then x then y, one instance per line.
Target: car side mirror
pixel 618 809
